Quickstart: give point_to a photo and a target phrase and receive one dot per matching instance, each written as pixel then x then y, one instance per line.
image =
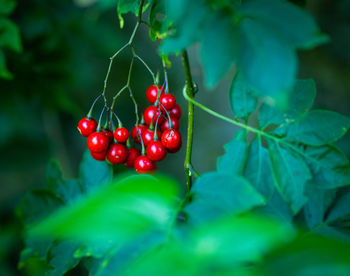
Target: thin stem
pixel 196 174
pixel 259 132
pixel 89 115
pixel 147 67
pixel 135 104
pixel 168 116
pixel 190 94
pixel 100 119
pixel 120 124
pixel 165 76
pixel 125 87
pixel 117 95
pixel 130 42
pixel 111 59
pixel 130 70
pixel 143 149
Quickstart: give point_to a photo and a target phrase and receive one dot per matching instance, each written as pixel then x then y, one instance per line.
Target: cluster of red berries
pixel 158 133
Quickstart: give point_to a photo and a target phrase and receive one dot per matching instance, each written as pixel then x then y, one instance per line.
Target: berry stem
pixel 143 149
pixel 146 66
pixel 117 95
pixel 135 104
pixel 129 44
pixel 100 120
pixel 120 124
pixel 155 137
pixel 168 116
pixel 89 115
pixel 190 93
pixel 166 90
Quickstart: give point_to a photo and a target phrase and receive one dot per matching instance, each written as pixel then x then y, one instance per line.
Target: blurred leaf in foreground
pixel 123 210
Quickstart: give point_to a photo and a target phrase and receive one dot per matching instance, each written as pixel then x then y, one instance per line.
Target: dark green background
pixel 61 70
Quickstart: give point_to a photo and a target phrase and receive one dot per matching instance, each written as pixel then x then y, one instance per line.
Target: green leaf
pixel 329 166
pixel 126 209
pixel 240 239
pixel 188 29
pixel 300 101
pixel 226 4
pixel 53 174
pixel 259 172
pixel 9 35
pixel 287 21
pixel 221 247
pixel 39 204
pixel 219 47
pixel 266 62
pixel 309 255
pixel 219 193
pixel 291 174
pixel 340 209
pixel 60 257
pixel 66 190
pixel 316 128
pixel 117 260
pixel 158 21
pixel 277 207
pixel 7 6
pixel 242 96
pixel 259 169
pixel 318 202
pixel 171 259
pixel 94 173
pixel 176 9
pixel 125 6
pixel 4 73
pixel 35 206
pixel 340 234
pixel 35 248
pixel 233 161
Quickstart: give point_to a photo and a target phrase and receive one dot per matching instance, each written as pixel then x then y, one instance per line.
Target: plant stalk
pixel 190 92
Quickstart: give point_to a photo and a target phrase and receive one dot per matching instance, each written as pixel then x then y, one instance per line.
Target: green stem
pixel 129 44
pixel 189 94
pixel 259 132
pixel 135 105
pixel 146 66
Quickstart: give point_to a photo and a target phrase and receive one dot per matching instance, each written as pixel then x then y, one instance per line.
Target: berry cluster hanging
pixel 157 133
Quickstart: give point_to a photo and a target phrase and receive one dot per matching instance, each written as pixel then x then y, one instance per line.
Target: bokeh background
pixel 66 46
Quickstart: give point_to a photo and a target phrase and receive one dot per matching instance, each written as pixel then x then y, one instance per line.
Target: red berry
pixel 87 126
pixel 156 151
pixel 168 101
pixel 135 134
pixel 148 135
pixel 133 153
pixel 97 142
pixel 171 139
pixel 175 122
pixel 176 112
pixel 108 133
pixel 121 134
pixel 175 149
pixel 144 165
pixel 117 154
pixel 151 93
pixel 99 156
pixel 152 112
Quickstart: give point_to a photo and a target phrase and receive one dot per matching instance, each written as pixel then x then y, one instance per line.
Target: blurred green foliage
pixel 59 70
